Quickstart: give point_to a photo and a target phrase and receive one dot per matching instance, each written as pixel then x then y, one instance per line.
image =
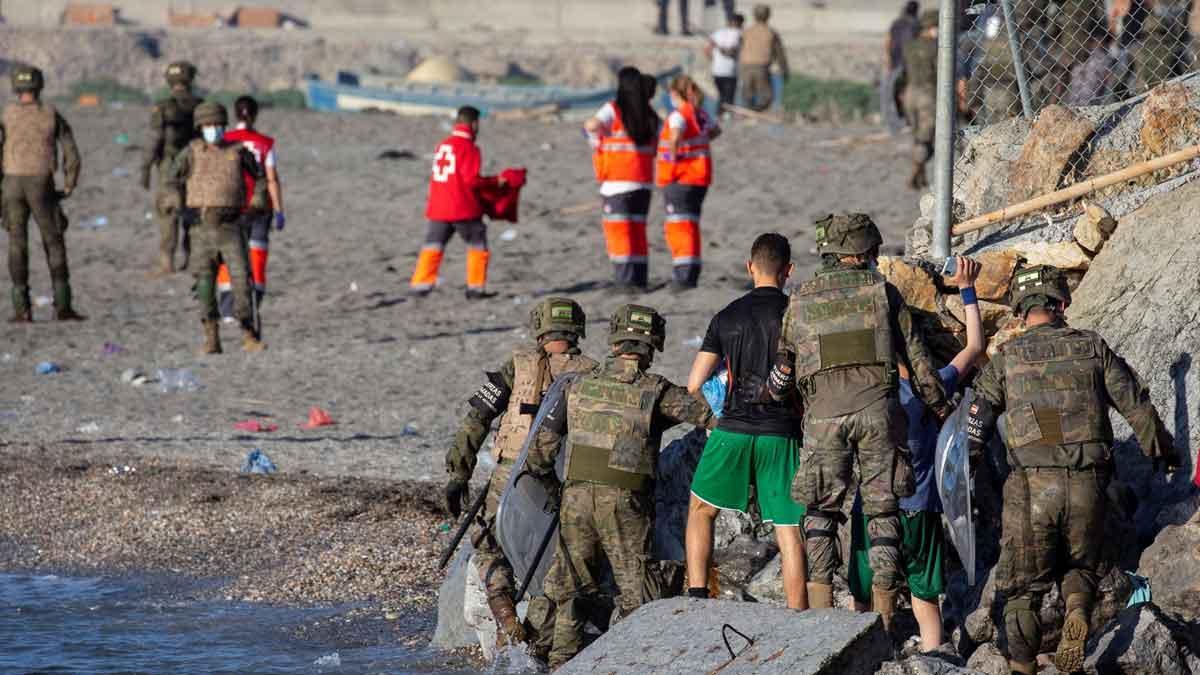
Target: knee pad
pixel 1023 628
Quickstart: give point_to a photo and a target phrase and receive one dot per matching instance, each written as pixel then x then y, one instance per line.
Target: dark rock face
pixel 1147 641
pixel 1172 562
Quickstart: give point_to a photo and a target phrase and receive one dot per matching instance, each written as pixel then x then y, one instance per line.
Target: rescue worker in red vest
pixel 622 136
pixel 612 420
pixel 256 223
pixel 513 394
pixel 172 127
pixel 454 206
pixel 684 173
pixel 211 169
pixel 30 134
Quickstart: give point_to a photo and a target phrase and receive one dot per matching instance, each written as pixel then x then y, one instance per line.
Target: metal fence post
pixel 1014 45
pixel 947 116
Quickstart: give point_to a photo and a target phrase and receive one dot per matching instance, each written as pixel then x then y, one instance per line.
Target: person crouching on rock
pixel 212 169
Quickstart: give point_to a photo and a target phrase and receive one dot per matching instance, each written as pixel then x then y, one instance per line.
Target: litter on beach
pixel 317 418
pixel 47 368
pixel 255 426
pixel 258 462
pixel 177 379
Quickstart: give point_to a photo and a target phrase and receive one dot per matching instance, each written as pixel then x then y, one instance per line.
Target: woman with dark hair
pixel 622 137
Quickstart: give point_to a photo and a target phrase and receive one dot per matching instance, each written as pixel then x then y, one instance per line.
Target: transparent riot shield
pixel 954 483
pixel 523 518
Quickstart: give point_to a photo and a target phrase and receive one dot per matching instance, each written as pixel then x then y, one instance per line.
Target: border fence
pixel 1017 58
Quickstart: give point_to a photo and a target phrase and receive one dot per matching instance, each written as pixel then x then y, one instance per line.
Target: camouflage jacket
pixel 1056 385
pixel 181 171
pixel 70 151
pixel 172 127
pixel 920 64
pixel 671 406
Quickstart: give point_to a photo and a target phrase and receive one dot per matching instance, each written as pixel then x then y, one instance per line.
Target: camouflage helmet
pixel 557 315
pixel 27 79
pixel 851 234
pixel 1035 286
pixel 210 113
pixel 638 323
pixel 180 72
pixel 928 19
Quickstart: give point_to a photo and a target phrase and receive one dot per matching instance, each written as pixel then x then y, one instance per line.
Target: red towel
pixel 500 202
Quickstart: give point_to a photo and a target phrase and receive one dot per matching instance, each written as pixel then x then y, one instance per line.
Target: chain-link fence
pixel 1018 57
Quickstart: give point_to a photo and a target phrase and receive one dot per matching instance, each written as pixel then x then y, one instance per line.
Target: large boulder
pixel 1172 562
pixel 925 665
pixel 1056 137
pixel 1145 640
pixel 684 636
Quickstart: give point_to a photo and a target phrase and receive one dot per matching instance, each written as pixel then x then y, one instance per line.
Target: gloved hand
pixel 280 221
pixel 145 178
pixel 457 493
pixel 553 494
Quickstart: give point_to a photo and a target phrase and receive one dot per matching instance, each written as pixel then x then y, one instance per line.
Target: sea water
pixel 62 624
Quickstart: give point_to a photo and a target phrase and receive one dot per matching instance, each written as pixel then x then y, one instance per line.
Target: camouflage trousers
pixel 35 195
pixel 496 572
pixel 219 239
pixel 920 108
pixel 599 524
pixel 170 225
pixel 1053 528
pixel 837 450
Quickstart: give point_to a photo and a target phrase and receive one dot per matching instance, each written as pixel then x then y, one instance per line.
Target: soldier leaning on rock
pixel 612 420
pixel 843 334
pixel 1055 385
pixel 172 127
pixel 513 395
pixel 30 134
pixel 211 172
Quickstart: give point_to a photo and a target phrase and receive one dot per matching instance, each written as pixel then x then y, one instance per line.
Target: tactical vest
pixel 609 430
pixel 1054 391
pixel 29 137
pixel 841 318
pixel 216 179
pixel 534 372
pixel 179 126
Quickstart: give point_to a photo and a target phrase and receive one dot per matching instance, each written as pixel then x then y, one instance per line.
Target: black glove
pixel 553 495
pixel 457 493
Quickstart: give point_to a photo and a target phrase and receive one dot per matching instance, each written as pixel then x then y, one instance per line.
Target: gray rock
pixel 927 204
pixel 684 636
pixel 477 615
pixel 767 585
pixel 988 659
pixel 1145 640
pixel 924 665
pixel 452 631
pixel 1172 563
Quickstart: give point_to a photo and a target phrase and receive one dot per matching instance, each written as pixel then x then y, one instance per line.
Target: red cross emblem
pixel 443 163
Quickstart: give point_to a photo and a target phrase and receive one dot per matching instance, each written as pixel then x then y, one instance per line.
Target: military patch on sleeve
pixel 492 398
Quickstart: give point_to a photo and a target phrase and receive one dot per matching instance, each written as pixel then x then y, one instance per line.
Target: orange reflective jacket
pixel 692 165
pixel 620 158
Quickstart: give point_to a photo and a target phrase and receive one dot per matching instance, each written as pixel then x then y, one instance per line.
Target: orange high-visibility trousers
pixel 682 231
pixel 624 220
pixel 437 235
pixel 258 231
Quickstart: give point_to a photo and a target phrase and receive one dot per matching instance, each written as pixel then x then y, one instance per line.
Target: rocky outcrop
pixel 1051 145
pixel 1145 640
pixel 685 636
pixel 1173 563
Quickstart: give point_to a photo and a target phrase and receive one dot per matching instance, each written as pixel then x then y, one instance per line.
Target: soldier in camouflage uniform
pixel 1057 385
pixel 172 128
pixel 1163 53
pixel 612 421
pixel 210 171
pixel 920 94
pixel 842 335
pixel 513 395
pixel 30 134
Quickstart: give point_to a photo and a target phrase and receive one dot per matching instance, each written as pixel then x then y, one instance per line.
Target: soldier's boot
pixel 185 246
pixel 1069 657
pixel 820 596
pixel 251 342
pixel 884 602
pixel 212 337
pixel 916 180
pixel 63 311
pixel 166 267
pixel 509 630
pixel 22 311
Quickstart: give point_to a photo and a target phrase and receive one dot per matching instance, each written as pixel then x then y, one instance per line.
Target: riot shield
pixel 523 518
pixel 954 483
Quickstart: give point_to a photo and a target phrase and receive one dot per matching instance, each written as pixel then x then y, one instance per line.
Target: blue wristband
pixel 968 295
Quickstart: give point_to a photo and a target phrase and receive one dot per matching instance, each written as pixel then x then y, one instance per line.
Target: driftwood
pixel 582 207
pixel 1077 190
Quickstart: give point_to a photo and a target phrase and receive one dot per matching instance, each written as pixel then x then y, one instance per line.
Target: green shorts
pixel 731 461
pixel 921 553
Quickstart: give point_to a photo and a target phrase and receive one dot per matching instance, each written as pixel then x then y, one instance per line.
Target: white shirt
pixel 606 116
pixel 728 39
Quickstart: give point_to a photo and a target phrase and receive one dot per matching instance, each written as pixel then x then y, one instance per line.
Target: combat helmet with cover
pixel 558 319
pixel 849 234
pixel 210 113
pixel 928 19
pixel 180 73
pixel 640 324
pixel 27 79
pixel 1037 286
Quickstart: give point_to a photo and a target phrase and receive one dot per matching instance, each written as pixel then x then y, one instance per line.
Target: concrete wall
pixel 560 18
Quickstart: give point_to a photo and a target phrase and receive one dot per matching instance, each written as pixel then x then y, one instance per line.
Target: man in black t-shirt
pixel 757 439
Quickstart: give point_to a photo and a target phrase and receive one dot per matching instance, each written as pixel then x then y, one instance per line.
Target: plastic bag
pixel 715 390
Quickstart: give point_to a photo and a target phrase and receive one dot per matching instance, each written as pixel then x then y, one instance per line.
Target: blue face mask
pixel 213 134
